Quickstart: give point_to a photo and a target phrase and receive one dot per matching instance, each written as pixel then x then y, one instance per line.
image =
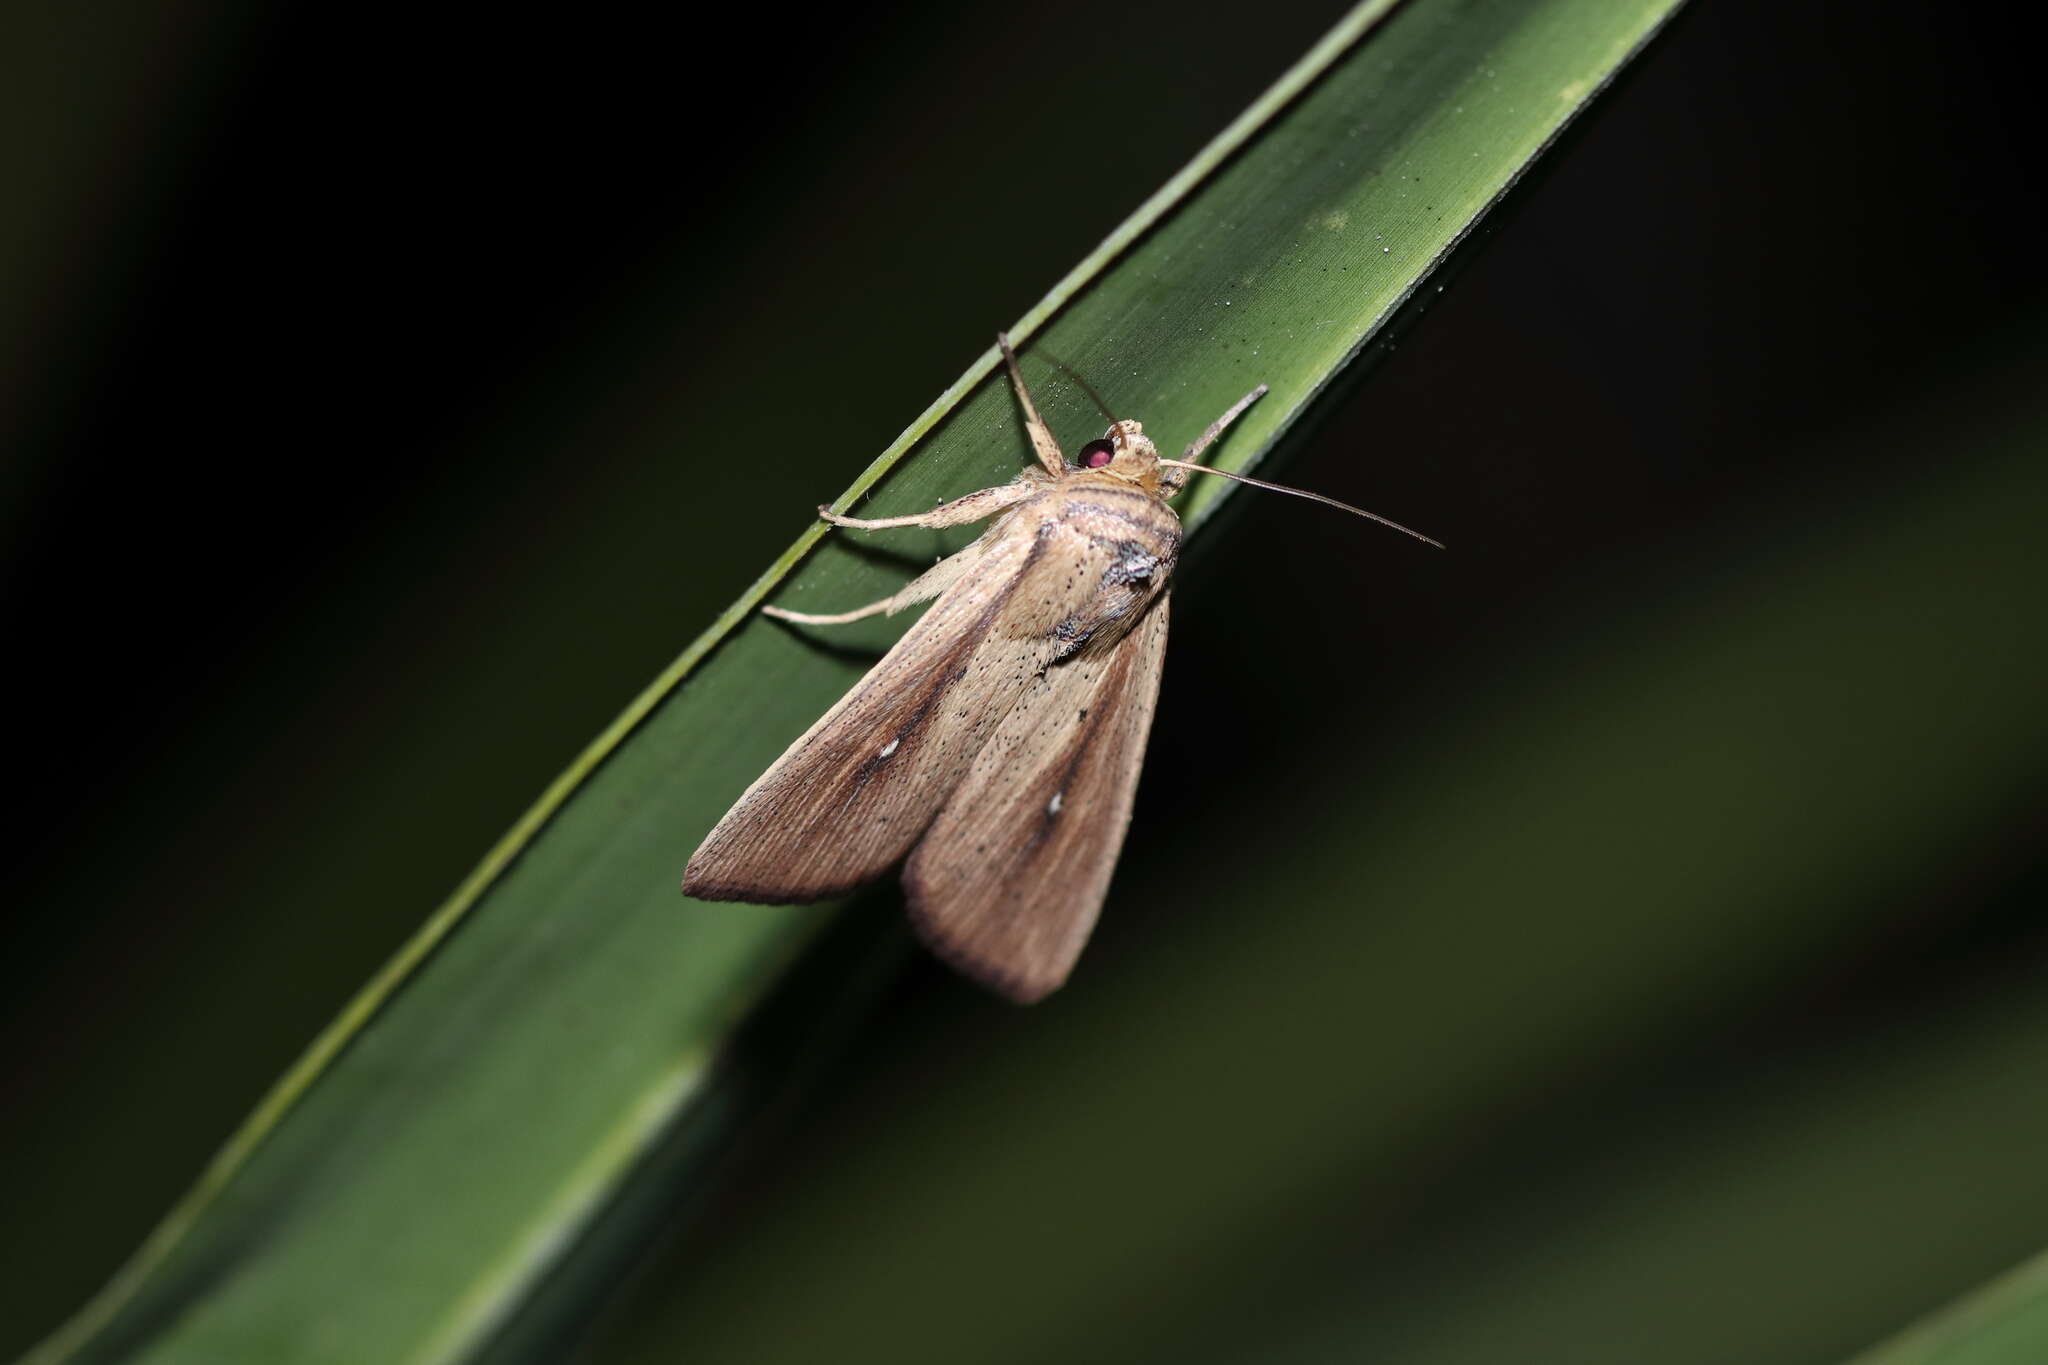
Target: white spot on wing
pixel 1052 807
pixel 890 747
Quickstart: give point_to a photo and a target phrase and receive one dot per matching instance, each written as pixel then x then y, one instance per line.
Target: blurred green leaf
pixel 413 1183
pixel 2004 1323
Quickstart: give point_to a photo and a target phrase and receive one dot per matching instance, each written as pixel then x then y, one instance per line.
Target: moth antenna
pixel 1301 493
pixel 1093 396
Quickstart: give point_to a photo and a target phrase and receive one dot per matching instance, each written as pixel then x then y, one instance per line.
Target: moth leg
pixel 1215 428
pixel 1042 443
pixel 1171 480
pixel 973 507
pixel 922 588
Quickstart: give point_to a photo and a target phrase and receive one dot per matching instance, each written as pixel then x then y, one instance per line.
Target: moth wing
pixel 846 800
pixel 1008 881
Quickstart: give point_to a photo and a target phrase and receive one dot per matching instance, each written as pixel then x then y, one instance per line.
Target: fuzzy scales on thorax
pixel 1120 543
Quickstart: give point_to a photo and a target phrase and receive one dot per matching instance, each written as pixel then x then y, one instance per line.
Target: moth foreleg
pixel 1042 443
pixel 973 507
pixel 922 588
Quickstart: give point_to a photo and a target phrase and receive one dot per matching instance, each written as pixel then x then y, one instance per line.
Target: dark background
pixel 388 397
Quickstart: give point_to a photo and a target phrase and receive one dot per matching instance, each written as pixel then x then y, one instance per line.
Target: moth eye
pixel 1096 454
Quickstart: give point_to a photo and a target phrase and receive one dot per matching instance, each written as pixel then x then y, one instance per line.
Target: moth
pixel 994 750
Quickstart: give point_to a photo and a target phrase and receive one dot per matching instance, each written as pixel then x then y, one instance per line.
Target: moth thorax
pixel 1136 457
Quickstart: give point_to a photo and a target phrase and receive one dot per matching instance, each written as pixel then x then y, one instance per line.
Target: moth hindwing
pixel 997 746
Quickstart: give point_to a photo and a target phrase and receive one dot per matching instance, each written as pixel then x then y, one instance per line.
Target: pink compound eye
pixel 1096 454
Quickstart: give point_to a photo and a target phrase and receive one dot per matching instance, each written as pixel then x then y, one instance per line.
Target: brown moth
pixel 998 743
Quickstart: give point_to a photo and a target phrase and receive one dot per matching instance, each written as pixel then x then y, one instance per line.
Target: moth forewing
pixel 1008 882
pixel 850 796
pixel 847 800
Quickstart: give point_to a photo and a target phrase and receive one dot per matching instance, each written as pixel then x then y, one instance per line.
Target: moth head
pixel 1123 452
